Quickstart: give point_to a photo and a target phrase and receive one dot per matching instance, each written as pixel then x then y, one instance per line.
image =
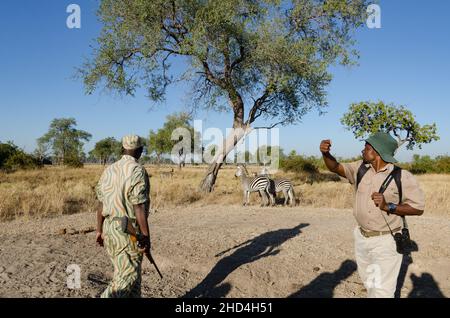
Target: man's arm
pixel 100 219
pixel 401 210
pixel 329 160
pixel 141 218
pixel 405 209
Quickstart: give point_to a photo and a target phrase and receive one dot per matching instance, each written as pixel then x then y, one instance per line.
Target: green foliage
pixel 73 160
pixel 425 164
pixel 41 152
pixel 13 158
pixel 66 141
pixel 6 151
pixel 106 149
pixel 273 53
pixel 299 164
pixel 366 118
pixel 160 142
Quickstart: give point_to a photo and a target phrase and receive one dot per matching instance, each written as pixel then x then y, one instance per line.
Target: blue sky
pixel 405 63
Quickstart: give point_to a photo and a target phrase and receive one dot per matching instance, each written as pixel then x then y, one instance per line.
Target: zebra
pixel 285 186
pixel 279 185
pixel 256 184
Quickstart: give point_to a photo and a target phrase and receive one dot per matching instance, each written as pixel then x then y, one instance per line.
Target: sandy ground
pixel 264 252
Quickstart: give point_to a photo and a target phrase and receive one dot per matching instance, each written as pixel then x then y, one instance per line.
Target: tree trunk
pixel 209 180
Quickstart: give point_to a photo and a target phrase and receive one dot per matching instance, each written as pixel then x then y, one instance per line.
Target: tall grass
pixel 55 190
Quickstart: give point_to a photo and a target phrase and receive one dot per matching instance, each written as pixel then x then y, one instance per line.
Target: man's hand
pixel 380 201
pixel 325 146
pixel 144 244
pixel 99 238
pixel 330 161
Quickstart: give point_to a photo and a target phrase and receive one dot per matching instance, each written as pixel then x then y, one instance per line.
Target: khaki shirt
pixel 122 185
pixel 366 213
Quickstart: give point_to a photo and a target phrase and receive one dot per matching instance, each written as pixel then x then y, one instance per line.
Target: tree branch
pixel 226 61
pixel 241 57
pixel 272 126
pixel 209 74
pixel 257 104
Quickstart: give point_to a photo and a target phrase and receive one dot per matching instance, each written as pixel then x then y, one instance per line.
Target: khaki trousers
pixel 378 264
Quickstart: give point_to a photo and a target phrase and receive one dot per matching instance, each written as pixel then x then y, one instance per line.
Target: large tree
pixel 366 118
pixel 162 142
pixel 106 149
pixel 258 59
pixel 66 141
pixel 41 151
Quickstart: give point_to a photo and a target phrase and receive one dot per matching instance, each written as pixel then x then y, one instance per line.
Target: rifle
pixel 128 228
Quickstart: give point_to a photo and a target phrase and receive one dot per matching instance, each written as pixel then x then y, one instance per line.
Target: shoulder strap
pixel 397 174
pixel 361 172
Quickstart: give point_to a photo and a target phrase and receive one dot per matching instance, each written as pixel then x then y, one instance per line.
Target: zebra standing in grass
pixel 279 185
pixel 256 184
pixel 285 186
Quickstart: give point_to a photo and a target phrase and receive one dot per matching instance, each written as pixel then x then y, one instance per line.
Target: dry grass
pixel 54 191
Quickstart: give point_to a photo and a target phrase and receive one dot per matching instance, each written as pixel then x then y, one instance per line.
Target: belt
pixel 367 233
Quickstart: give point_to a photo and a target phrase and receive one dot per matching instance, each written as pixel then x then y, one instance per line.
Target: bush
pixel 299 164
pixel 21 160
pixel 73 161
pixel 6 151
pixel 443 164
pixel 12 158
pixel 425 164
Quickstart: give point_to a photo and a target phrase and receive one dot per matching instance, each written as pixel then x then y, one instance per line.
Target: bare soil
pixel 218 251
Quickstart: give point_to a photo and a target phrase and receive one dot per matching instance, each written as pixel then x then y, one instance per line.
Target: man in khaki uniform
pixel 123 190
pixel 376 213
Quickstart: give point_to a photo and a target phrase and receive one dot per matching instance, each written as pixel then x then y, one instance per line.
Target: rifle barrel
pixel 150 258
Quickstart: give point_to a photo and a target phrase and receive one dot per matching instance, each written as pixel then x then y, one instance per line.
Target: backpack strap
pixel 397 175
pixel 360 174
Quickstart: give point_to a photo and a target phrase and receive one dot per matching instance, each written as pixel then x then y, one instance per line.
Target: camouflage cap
pixel 131 142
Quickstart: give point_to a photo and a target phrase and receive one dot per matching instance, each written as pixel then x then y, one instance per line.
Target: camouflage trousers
pixel 126 259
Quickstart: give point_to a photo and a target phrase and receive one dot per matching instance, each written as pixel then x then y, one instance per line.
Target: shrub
pixel 73 161
pixel 425 164
pixel 299 164
pixel 12 158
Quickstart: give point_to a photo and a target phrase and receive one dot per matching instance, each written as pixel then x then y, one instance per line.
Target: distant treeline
pixel 13 158
pixel 419 165
pixel 426 164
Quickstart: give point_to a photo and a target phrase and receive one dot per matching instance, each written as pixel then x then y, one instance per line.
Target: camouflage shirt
pixel 122 185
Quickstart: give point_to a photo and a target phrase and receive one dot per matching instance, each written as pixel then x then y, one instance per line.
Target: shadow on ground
pixel 264 245
pixel 323 285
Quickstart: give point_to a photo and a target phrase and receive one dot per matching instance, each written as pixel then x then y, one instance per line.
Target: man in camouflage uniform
pixel 123 190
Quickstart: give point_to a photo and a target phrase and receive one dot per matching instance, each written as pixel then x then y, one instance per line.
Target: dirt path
pixel 269 252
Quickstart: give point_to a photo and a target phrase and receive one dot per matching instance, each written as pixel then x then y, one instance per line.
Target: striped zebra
pixel 256 184
pixel 285 186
